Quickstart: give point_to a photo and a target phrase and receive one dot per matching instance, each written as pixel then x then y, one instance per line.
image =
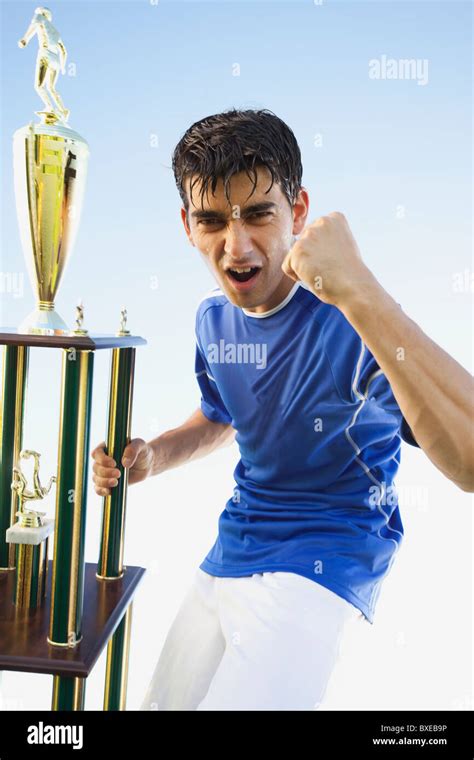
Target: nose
pixel 237 242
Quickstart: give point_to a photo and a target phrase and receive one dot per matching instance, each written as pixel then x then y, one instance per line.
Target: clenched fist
pixel 326 258
pixel 137 457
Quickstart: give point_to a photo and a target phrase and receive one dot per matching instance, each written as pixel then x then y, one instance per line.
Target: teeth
pixel 241 269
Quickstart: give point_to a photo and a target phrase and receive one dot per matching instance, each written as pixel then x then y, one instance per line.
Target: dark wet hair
pixel 233 141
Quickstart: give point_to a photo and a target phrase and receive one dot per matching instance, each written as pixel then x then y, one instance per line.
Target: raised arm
pixel 434 392
pixel 30 32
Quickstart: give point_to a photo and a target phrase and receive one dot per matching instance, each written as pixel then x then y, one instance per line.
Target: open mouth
pixel 243 275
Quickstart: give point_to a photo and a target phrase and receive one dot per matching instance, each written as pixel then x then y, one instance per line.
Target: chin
pixel 240 299
pixel 248 300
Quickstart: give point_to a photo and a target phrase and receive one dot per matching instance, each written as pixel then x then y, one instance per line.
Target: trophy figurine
pixel 30 537
pixel 50 167
pixel 29 518
pixel 80 330
pixel 51 58
pixel 123 322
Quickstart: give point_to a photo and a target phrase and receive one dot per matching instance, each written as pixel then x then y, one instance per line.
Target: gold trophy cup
pixel 50 168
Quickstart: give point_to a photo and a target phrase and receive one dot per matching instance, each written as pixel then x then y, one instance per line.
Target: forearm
pixel 62 53
pixel 434 392
pixel 195 438
pixel 29 33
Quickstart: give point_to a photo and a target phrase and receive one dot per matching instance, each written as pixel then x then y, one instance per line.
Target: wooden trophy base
pixel 23 632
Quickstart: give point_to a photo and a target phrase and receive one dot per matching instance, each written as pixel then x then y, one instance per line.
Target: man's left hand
pixel 326 258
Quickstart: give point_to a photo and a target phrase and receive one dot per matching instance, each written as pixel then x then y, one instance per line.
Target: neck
pixel 276 298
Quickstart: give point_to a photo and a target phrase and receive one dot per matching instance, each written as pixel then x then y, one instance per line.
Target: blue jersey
pixel 319 433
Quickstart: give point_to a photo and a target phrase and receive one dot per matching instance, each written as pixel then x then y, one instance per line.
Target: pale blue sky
pixel 145 69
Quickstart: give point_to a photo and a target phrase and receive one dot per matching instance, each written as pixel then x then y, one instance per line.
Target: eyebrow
pixel 245 211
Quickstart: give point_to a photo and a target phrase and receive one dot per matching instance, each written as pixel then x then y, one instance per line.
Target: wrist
pixel 361 292
pixel 158 461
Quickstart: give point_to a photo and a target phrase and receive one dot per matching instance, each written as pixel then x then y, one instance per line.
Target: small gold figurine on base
pixel 123 323
pixel 79 320
pixel 29 518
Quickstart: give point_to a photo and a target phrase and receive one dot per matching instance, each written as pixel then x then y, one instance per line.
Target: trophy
pixel 50 168
pixel 32 545
pixel 56 616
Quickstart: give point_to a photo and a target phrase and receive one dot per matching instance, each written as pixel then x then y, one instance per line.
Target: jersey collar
pixel 276 308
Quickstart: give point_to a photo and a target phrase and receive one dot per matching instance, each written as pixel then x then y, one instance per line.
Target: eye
pixel 260 214
pixel 207 222
pixel 212 221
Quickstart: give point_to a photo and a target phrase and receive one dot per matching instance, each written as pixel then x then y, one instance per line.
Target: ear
pixel 187 229
pixel 300 211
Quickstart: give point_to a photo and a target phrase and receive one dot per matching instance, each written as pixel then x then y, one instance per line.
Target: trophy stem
pixel 116 673
pixel 122 370
pixel 12 408
pixel 31 545
pixel 32 573
pixel 68 693
pixel 67 588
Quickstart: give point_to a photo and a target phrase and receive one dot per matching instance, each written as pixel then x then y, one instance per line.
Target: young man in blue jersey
pixel 311 366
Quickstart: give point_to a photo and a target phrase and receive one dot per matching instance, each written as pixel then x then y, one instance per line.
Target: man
pixel 306 358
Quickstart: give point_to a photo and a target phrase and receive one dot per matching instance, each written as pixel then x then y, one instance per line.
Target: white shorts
pixel 267 641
